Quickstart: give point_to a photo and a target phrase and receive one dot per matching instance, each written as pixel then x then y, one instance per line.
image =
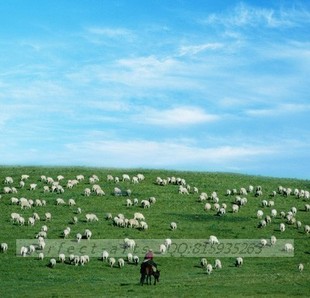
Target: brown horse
pixel 147 271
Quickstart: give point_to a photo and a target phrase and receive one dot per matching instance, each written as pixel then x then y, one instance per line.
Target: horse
pixel 147 271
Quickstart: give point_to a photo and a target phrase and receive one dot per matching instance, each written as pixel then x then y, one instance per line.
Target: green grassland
pixel 180 276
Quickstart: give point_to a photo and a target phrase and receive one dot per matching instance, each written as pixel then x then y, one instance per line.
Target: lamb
pixel 31 221
pixel 14 201
pixel 235 208
pixel 173 225
pixel 128 203
pixel 300 267
pixel 135 201
pixel 112 261
pixel 84 259
pixel 66 232
pixel 218 264
pixel 282 227
pixel 52 263
pixel 143 225
pixel 152 200
pixel 274 212
pixel 121 262
pixel 87 192
pixel 207 207
pixel 41 256
pixel 239 262
pixel 209 269
pixel 32 248
pixel 129 257
pixel 4 247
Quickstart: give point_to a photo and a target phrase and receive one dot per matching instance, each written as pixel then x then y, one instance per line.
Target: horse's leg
pixel 142 279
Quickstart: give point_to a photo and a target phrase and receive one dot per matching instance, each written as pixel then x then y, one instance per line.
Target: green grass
pixel 180 276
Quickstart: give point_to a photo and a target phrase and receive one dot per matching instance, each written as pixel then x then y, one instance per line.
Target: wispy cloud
pixel 244 15
pixel 184 115
pixel 195 49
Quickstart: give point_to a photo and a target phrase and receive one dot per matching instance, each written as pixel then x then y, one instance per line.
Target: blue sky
pixel 185 85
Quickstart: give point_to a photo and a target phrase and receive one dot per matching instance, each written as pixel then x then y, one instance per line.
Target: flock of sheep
pixel 212 203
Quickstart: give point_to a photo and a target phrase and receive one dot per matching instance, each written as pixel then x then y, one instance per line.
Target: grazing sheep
pixel 218 264
pixel 87 192
pixel 31 221
pixel 112 261
pixel 263 242
pixel 213 240
pixel 298 224
pixel 207 207
pixel 128 203
pixel 259 214
pixel 300 267
pixel 52 263
pixel 168 242
pixel 117 191
pixel 41 256
pixel 61 258
pixel 162 248
pixel 138 216
pixel 129 257
pixel 4 247
pixel 60 201
pixel 8 180
pixel 33 186
pixel 125 177
pixel 129 243
pixel 143 225
pixel 235 208
pixel 15 217
pixel 78 237
pixel 273 240
pixel 209 269
pixel 203 262
pixel 121 262
pixel 282 227
pixel 307 229
pixel 23 251
pixel 173 225
pixel 104 255
pixel 87 234
pixel 135 259
pixel 288 247
pixel 71 202
pixel 145 204
pixel 91 217
pixel 74 220
pixel 274 212
pixel 239 262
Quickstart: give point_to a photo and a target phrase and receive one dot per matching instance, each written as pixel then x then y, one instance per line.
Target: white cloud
pixel 110 32
pixel 195 49
pixel 184 115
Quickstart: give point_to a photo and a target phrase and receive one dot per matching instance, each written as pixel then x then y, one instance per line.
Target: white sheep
pixel 168 242
pixel 207 207
pixel 143 225
pixel 129 257
pixel 129 243
pixel 239 262
pixel 104 255
pixel 300 267
pixel 145 204
pixel 121 262
pixel 126 177
pixel 136 259
pixel 288 247
pixel 209 269
pixel 33 186
pixel 112 261
pixel 263 242
pixel 61 257
pixel 91 217
pixel 23 251
pixel 128 203
pixel 87 234
pixel 273 240
pixel 14 201
pixel 213 240
pixel 78 237
pixel 117 191
pixel 274 212
pixel 87 192
pixel 41 256
pixel 60 201
pixel 173 225
pixel 235 208
pixel 4 247
pixel 259 214
pixel 282 227
pixel 52 263
pixel 307 229
pixel 162 248
pixel 217 264
pixel 71 202
pixel 8 180
pixel 66 232
pixel 138 216
pixel 203 262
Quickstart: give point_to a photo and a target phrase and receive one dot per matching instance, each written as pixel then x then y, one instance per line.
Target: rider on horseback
pixel 148 259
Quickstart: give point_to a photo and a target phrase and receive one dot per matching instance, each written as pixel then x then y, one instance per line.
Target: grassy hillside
pixel 180 276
